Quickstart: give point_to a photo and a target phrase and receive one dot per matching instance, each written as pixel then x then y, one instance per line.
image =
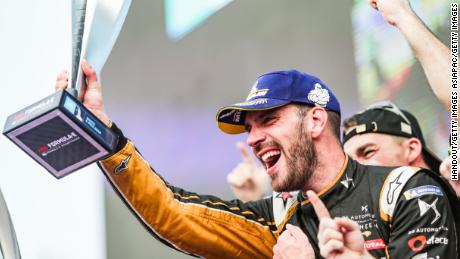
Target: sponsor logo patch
pixel 417 243
pixel 227 114
pixel 58 144
pixel 347 182
pixel 253 102
pixel 394 185
pixel 366 220
pixel 392 190
pixel 255 92
pixel 374 244
pixel 425 207
pixel 237 116
pixel 428 230
pixel 40 106
pixel 423 190
pixel 434 240
pixel 122 166
pixel 319 95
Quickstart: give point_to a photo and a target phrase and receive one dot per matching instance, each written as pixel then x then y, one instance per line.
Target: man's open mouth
pixel 270 158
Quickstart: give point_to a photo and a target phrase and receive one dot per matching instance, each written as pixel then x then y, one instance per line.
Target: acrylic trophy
pixel 58 131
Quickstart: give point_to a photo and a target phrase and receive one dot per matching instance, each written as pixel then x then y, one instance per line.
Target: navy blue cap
pixel 275 89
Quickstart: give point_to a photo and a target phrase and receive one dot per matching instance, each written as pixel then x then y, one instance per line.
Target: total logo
pixel 374 244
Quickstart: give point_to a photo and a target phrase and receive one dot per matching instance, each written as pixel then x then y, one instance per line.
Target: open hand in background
pixel 248 180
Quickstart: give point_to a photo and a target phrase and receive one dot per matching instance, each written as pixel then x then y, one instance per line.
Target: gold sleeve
pixel 199 225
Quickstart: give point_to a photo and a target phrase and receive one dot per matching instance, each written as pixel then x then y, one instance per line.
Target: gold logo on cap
pixel 255 92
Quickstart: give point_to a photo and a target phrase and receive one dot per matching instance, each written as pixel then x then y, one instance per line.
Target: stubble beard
pixel 301 160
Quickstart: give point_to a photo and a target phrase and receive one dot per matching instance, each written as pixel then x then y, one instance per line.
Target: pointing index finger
pixel 244 152
pixel 318 205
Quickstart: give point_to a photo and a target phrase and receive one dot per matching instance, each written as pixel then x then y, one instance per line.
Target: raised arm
pixel 198 225
pixel 429 50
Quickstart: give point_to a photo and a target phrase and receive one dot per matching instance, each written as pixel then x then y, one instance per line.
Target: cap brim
pixel 229 124
pixel 431 160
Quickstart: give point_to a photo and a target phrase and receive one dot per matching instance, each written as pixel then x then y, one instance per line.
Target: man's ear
pixel 318 121
pixel 412 150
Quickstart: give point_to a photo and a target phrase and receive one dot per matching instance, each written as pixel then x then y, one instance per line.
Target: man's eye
pixel 369 153
pixel 268 119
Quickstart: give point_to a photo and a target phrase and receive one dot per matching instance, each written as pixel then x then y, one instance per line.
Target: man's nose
pixel 255 137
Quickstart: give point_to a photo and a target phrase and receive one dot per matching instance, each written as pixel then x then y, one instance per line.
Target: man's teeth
pixel 269 154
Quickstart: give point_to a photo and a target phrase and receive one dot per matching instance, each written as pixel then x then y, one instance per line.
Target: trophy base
pixel 60 134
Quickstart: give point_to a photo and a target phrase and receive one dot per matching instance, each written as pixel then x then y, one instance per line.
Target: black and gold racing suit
pixel 403 212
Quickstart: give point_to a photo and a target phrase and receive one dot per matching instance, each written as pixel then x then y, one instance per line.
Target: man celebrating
pixel 247 181
pixel 292 120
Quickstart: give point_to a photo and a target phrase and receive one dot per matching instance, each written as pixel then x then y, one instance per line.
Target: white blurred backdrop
pixel 53 218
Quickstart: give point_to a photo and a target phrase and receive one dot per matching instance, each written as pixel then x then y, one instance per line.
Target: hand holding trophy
pixel 58 131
